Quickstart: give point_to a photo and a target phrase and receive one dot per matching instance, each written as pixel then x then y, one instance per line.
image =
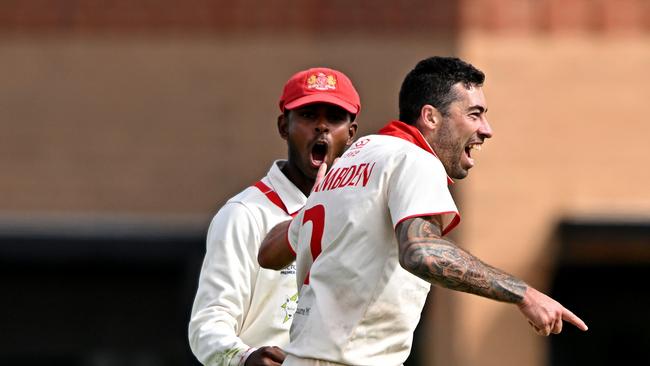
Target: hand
pixel 266 356
pixel 545 315
pixel 322 170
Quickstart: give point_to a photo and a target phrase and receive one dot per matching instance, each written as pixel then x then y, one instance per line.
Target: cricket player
pixel 242 313
pixel 371 238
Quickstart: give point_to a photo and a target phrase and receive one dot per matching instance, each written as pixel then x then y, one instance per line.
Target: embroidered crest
pixel 321 81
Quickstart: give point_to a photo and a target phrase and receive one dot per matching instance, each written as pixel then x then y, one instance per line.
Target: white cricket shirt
pixel 238 305
pixel 358 306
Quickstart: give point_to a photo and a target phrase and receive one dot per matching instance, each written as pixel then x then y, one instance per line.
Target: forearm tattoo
pixel 426 254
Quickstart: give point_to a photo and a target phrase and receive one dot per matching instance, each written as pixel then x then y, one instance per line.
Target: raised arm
pixel 424 252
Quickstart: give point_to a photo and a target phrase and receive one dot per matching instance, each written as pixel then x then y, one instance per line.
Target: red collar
pixel 409 133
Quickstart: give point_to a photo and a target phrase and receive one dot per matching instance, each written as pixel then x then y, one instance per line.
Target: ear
pixel 352 132
pixel 283 126
pixel 430 118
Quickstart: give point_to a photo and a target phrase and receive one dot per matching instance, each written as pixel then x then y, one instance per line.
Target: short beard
pixel 449 150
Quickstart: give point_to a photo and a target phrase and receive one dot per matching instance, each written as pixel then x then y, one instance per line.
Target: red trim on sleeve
pixel 454 222
pixel 452 225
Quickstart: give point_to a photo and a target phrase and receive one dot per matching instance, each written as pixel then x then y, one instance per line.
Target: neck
pixel 304 183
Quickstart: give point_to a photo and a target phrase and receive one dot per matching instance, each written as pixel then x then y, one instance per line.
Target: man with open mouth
pixel 242 313
pixel 318 122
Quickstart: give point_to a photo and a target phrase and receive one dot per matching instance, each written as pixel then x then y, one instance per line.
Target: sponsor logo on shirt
pixel 359 144
pixel 356 148
pixel 289 307
pixel 291 270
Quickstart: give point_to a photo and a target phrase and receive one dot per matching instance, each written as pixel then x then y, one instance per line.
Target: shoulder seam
pixel 249 211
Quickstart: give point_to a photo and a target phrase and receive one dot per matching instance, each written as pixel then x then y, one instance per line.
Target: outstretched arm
pixel 424 252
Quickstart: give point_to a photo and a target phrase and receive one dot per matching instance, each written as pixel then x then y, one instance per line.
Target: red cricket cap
pixel 320 85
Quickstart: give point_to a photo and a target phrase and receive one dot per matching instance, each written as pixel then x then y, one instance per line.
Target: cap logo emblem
pixel 321 81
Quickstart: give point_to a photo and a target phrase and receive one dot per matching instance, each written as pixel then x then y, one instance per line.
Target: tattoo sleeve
pixel 426 254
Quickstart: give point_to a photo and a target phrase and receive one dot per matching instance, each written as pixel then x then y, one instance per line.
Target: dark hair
pixel 430 82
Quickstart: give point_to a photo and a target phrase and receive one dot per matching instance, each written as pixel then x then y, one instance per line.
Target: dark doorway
pixel 97 294
pixel 602 275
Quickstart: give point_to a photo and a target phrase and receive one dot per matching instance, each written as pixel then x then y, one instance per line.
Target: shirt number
pixel 316 215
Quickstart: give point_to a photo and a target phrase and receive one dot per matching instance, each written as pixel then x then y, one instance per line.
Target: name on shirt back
pixel 351 176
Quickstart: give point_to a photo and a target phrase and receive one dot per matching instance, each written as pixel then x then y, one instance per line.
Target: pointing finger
pixel 573 319
pixel 322 169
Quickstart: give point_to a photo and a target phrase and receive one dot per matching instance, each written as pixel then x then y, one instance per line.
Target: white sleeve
pixel 225 287
pixel 418 187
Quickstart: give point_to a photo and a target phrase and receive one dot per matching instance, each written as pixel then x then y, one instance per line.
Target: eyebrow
pixel 479 107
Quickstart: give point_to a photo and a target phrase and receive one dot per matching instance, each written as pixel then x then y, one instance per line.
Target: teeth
pixel 475 147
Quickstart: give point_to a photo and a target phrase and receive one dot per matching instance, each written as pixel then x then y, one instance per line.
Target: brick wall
pixel 316 17
pixel 223 16
pixel 165 126
pixel 555 16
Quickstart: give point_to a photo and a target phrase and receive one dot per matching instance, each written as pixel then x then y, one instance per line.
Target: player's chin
pixel 459 172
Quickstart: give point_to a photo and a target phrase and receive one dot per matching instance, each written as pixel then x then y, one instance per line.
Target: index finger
pixel 573 319
pixel 322 169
